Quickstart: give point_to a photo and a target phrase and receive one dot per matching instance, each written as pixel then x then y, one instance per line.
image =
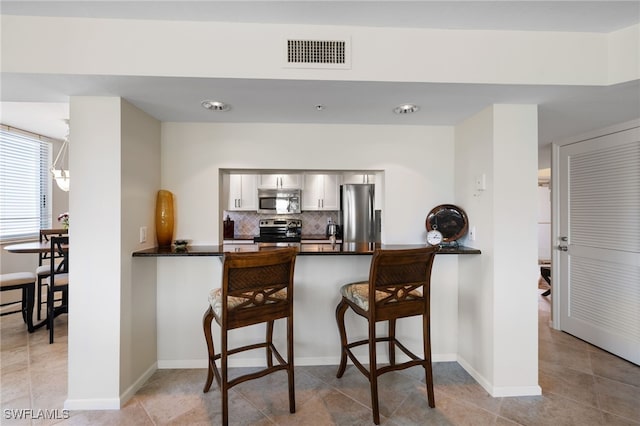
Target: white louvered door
pixel 599 273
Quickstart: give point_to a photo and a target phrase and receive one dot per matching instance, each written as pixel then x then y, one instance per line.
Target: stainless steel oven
pixel 279 201
pixel 279 231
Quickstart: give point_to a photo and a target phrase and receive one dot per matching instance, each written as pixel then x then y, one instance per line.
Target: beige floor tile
pixel 14 384
pixel 568 383
pixel 612 367
pixel 613 420
pixel 501 421
pixel 270 394
pixel 329 408
pixel 564 355
pixel 451 379
pixel 618 398
pixel 551 410
pixel 33 376
pixel 132 414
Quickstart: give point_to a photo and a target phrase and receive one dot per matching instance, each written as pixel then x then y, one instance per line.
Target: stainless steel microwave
pixel 279 201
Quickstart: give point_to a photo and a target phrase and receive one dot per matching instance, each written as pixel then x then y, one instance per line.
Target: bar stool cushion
pixel 61 279
pixel 215 299
pixel 17 278
pixel 358 293
pixel 43 270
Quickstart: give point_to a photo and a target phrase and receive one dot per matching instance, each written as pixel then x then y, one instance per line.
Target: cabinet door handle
pixel 322 203
pixel 318 202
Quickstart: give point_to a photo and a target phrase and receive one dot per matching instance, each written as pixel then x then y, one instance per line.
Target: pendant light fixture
pixel 61 175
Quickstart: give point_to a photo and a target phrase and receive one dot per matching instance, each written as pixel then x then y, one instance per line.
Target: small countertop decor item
pixel 181 245
pixel 449 221
pixel 228 228
pixel 164 218
pixel 63 218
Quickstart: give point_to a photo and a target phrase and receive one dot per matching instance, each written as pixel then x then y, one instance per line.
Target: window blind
pixel 25 184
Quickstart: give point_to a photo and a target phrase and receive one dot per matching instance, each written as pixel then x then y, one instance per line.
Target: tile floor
pixel 582 385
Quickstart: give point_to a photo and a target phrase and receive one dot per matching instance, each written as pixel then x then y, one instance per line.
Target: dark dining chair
pixel 257 287
pixel 44 269
pixel 398 287
pixel 25 282
pixel 57 281
pixel 545 273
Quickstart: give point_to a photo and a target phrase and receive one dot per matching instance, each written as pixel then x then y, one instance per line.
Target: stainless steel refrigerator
pixel 360 222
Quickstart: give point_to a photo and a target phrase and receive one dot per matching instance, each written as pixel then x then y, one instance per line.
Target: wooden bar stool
pixel 399 286
pixel 25 281
pixel 257 287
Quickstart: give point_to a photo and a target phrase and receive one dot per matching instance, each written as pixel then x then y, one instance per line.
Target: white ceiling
pixel 38 102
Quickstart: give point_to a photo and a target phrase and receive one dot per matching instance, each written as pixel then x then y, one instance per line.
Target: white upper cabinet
pixel 372 177
pixel 280 181
pixel 359 178
pixel 243 194
pixel 321 192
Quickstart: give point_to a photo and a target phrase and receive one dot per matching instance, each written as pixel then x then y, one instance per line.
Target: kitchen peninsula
pixel 321 269
pixel 481 316
pixel 303 249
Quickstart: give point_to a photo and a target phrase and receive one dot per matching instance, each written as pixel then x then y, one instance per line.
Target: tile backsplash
pixel 313 223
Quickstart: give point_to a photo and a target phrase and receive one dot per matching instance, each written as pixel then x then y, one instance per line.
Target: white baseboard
pixel 260 362
pixel 92 404
pixel 507 391
pixel 499 391
pixel 168 364
pixel 131 390
pixel 111 403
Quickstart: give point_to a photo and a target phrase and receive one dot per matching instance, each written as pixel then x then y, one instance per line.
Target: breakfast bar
pixel 323 249
pixel 186 275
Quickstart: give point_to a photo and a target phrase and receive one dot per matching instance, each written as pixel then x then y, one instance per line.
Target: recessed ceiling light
pixel 319 107
pixel 215 105
pixel 406 109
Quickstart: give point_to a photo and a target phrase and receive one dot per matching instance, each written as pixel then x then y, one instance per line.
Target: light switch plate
pixel 481 182
pixel 143 234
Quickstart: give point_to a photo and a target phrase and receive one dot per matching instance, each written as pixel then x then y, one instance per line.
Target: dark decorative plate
pixel 450 220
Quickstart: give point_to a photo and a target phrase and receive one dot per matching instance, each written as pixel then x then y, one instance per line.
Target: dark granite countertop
pixel 309 237
pixel 305 249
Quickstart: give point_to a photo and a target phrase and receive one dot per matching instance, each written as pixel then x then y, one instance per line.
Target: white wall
pixel 95 274
pixel 474 156
pixel 192 155
pixel 115 161
pixel 498 306
pixel 140 182
pixel 59 46
pixel 624 54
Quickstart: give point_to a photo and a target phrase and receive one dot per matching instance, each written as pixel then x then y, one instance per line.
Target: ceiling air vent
pixel 318 53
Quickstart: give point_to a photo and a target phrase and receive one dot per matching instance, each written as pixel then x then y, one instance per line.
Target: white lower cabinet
pixel 321 192
pixel 243 193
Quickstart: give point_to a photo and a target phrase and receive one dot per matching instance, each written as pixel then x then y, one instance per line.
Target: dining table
pixel 31 247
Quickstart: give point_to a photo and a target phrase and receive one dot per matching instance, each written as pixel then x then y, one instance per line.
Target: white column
pixel 497 316
pixel 94 233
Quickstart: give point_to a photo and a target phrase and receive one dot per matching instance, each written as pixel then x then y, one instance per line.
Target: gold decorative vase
pixel 164 218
